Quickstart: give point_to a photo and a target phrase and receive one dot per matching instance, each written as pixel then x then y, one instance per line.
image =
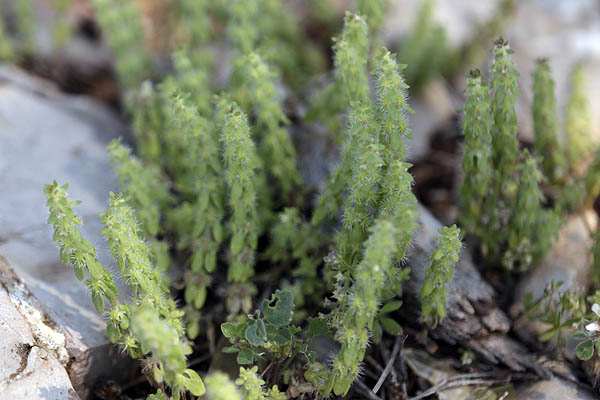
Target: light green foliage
pixel 365 176
pixel 268 27
pixel 159 338
pixel 193 79
pixel 76 250
pixel 241 27
pixel 374 12
pixel 396 199
pixel 293 238
pixel 220 387
pixel 241 163
pixel 144 186
pixel 25 22
pixel 126 40
pixel 275 146
pixel 578 124
pixel 7 52
pixel 443 260
pixel 268 334
pixel 148 123
pixel 504 131
pixel 358 308
pixel 194 22
pixel 501 196
pixel 545 123
pixel 252 386
pixel 530 228
pixel 152 322
pixel 595 267
pixel 148 193
pixel 558 309
pixel 198 221
pixel 61 30
pixel 424 51
pixel 477 124
pixel 351 58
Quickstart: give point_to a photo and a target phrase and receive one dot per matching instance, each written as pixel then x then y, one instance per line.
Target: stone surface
pixel 554 389
pixel 33 351
pixel 44 136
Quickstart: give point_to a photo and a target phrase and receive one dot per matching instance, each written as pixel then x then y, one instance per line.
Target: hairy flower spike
pixel 529 220
pixel 76 250
pixel 366 175
pixel 25 21
pixel 7 51
pixel 252 386
pixel 476 153
pixel 351 54
pixel 443 260
pixel 351 58
pixel 396 199
pixel 124 39
pixel 143 185
pixel 276 148
pixel 193 79
pixel 158 337
pixel 374 10
pixel 578 124
pixel 220 387
pixel 504 132
pixel 241 163
pixel 360 309
pixel 545 123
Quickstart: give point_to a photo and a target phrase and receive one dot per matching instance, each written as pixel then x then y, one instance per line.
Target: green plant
pixel 501 197
pixel 148 193
pixel 443 259
pixel 424 50
pixel 7 52
pixel 252 386
pixel 477 125
pixel 220 387
pixel 545 122
pixel 125 40
pixel 241 165
pixel 577 124
pixel 529 220
pixel 128 324
pixel 25 21
pixel 374 12
pixel 275 146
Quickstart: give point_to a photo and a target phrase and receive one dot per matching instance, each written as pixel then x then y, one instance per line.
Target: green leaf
pixel 317 327
pixel 282 312
pixel 578 336
pixel 228 329
pixel 98 301
pixel 585 350
pixel 113 332
pixel 230 349
pixel 391 326
pixel 245 356
pixel 391 306
pixel 194 383
pixel 256 333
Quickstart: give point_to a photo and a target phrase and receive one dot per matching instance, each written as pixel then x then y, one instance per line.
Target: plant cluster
pixel 216 177
pixel 502 201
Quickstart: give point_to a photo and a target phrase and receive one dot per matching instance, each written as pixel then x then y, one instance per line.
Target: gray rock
pixel 44 136
pixel 33 351
pixel 555 388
